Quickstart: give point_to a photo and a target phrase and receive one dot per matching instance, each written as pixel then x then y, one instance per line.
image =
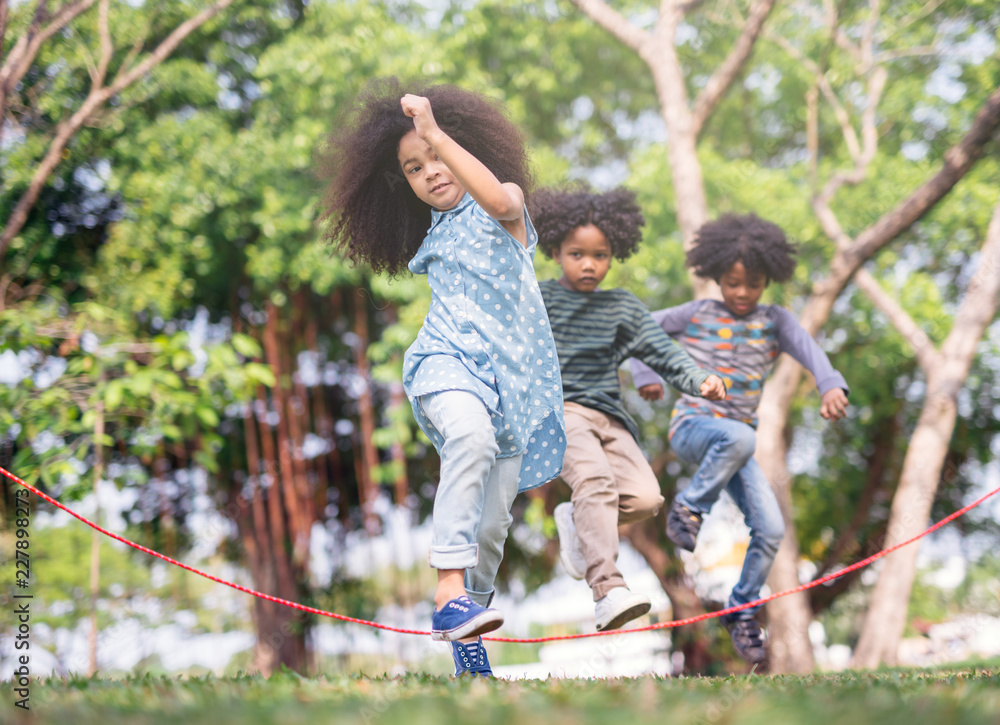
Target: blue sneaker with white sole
pixel 471 658
pixel 461 618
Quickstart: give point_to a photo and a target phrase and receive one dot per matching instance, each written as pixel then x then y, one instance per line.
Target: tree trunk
pixel 911 507
pixel 280 629
pixel 398 404
pixel 298 529
pixel 333 459
pixel 684 123
pixel 291 338
pixel 322 425
pixel 274 556
pixel 269 565
pixel 275 511
pixel 690 640
pixel 795 654
pixel 925 457
pixel 847 543
pixel 95 543
pixel 682 152
pixel 877 465
pixel 368 460
pixel 397 401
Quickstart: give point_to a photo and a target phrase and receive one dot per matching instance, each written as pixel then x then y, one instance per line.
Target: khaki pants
pixel 612 484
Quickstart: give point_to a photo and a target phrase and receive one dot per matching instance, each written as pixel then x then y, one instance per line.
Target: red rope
pixel 662 625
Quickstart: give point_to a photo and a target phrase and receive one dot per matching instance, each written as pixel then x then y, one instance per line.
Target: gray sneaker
pixel 748 639
pixel 683 525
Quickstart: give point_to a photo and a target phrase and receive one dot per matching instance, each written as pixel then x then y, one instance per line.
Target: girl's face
pixel 430 179
pixel 741 289
pixel 585 258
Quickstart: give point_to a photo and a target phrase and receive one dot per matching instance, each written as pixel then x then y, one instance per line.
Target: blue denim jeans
pixel 724 449
pixel 472 505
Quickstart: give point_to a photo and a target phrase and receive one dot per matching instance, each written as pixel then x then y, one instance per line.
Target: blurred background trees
pixel 171 322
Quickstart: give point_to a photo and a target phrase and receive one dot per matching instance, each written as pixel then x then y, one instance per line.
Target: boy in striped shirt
pixel 595 331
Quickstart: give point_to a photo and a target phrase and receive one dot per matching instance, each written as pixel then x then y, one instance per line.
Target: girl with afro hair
pixel 434 181
pixel 740 340
pixel 595 331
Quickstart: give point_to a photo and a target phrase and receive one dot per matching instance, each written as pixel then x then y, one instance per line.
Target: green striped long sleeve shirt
pixel 596 331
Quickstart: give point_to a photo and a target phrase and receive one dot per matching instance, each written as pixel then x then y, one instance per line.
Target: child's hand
pixel 419 109
pixel 713 388
pixel 834 405
pixel 653 391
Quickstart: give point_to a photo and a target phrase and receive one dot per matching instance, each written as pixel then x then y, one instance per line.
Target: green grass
pixel 967 694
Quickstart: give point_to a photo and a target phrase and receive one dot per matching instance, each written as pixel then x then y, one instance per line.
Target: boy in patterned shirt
pixel 739 340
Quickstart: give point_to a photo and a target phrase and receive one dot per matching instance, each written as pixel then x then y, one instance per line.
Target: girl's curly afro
pixel 370 211
pixel 760 245
pixel 556 213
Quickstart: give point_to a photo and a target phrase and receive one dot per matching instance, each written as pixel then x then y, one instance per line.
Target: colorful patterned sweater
pixel 741 350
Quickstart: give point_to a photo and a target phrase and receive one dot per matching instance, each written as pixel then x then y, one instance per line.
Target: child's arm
pixel 503 202
pixel 798 343
pixel 668 359
pixel 673 321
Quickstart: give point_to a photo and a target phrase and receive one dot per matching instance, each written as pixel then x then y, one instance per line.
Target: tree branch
pixel 957 162
pixel 979 305
pixel 95 100
pixel 869 129
pixel 725 74
pixel 917 16
pixel 864 153
pixel 887 56
pixel 3 26
pixel 24 52
pixel 839 111
pixel 812 135
pixel 876 467
pixel 168 45
pixel 862 160
pixel 923 347
pixel 615 23
pixel 868 34
pixel 852 254
pixel 107 49
pixel 831 19
pixel 686 7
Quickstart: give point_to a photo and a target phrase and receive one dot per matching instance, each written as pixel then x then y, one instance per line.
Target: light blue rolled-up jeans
pixel 723 449
pixel 472 505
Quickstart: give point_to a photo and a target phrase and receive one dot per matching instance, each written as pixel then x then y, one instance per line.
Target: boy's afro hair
pixel 558 212
pixel 368 209
pixel 760 245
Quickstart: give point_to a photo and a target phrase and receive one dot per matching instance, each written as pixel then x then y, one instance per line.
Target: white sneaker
pixel 619 606
pixel 570 553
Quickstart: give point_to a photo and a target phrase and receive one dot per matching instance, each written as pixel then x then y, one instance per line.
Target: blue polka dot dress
pixel 487 333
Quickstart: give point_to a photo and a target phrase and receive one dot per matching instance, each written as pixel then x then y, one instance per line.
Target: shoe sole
pixel 761 664
pixel 680 544
pixel 485 622
pixel 625 616
pixel 745 656
pixel 563 530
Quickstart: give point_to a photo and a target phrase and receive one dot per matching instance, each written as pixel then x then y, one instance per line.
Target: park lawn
pixel 960 694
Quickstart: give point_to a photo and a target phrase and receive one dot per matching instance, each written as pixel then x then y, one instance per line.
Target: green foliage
pixel 60 585
pixel 81 363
